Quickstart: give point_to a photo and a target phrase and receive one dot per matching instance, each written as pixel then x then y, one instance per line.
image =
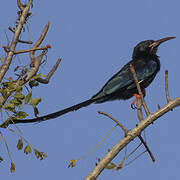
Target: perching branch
pixel 139 89
pixel 130 136
pixel 139 109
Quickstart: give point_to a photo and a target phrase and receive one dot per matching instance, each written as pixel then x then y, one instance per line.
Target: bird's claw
pixel 133 106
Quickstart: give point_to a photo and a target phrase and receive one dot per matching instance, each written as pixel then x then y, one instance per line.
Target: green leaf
pixel 5 84
pixel 12 169
pixel 21 115
pixel 35 101
pixel 72 163
pixel 110 166
pixel 10 107
pixel 11 86
pixel 4 93
pixel 40 155
pixel 33 83
pixel 28 98
pixel 19 89
pixel 19 144
pixel 36 76
pixel 16 102
pixel 27 149
pixel 18 95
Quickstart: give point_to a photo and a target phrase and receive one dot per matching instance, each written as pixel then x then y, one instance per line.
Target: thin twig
pixel 166 86
pixel 6 146
pixel 134 159
pixel 139 109
pixel 25 42
pixel 32 49
pixel 37 44
pixel 11 29
pixel 36 61
pixel 159 107
pixel 139 89
pixel 116 121
pixel 21 6
pixel 147 148
pixel 35 66
pixel 21 41
pixel 46 80
pixel 140 117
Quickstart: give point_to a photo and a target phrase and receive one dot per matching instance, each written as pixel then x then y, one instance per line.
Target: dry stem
pixel 116 121
pixel 139 90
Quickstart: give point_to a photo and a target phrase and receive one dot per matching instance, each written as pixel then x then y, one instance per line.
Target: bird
pixel 121 86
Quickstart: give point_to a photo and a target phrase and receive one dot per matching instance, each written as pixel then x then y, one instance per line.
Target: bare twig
pixel 139 109
pixel 139 89
pixel 21 41
pixel 46 80
pixel 166 86
pixel 32 49
pixel 6 146
pixel 130 136
pixel 147 148
pixel 140 117
pixel 35 66
pixel 21 6
pixel 25 42
pixel 36 62
pixel 116 121
pixel 11 29
pixel 37 44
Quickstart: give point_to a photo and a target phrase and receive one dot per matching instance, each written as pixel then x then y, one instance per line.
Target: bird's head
pixel 148 47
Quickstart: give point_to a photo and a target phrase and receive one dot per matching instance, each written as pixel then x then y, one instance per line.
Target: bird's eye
pixel 142 48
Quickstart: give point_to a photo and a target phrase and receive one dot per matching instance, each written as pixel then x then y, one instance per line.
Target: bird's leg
pixel 137 96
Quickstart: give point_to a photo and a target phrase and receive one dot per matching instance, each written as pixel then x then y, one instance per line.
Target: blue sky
pixel 95 39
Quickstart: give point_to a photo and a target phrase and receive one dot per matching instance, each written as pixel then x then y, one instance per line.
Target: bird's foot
pixel 137 96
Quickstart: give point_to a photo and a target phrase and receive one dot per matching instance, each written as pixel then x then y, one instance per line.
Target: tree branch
pixel 166 86
pixel 46 80
pixel 5 66
pixel 130 136
pixel 140 117
pixel 116 121
pixel 139 89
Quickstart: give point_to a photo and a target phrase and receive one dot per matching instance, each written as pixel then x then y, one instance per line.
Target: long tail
pixel 55 114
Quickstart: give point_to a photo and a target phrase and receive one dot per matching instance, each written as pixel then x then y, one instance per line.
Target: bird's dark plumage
pixel 122 86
